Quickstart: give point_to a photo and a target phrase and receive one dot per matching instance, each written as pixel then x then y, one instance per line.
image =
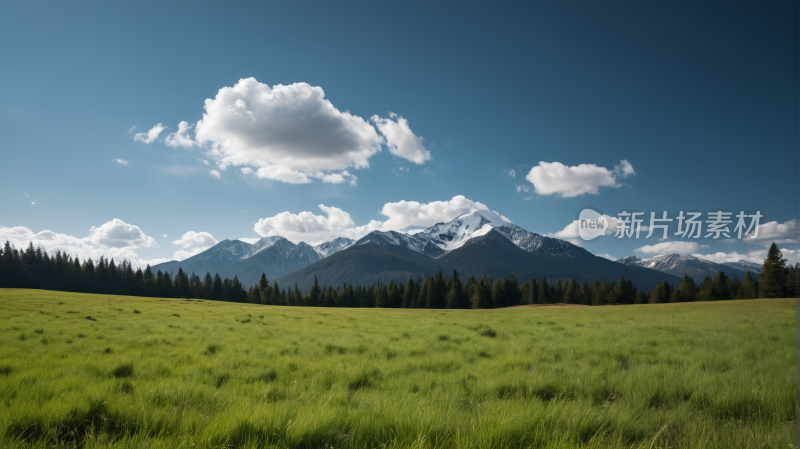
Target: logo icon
pixel 591 224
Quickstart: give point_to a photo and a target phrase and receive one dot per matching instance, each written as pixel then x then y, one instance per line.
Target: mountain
pixel 274 256
pixel 334 246
pixel 363 264
pixel 474 244
pixel 679 265
pixel 478 243
pixel 743 265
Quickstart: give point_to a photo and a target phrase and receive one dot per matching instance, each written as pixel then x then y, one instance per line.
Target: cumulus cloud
pixel 289 131
pixel 150 136
pixel 115 239
pixel 522 188
pixel 121 161
pixel 191 240
pixel 403 214
pixel 250 240
pixel 180 138
pixel 214 173
pixel 787 232
pixel 205 162
pixel 671 248
pixel 400 140
pixel 193 243
pixel 550 178
pixel 335 222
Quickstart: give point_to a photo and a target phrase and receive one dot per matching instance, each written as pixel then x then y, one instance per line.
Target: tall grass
pixel 186 373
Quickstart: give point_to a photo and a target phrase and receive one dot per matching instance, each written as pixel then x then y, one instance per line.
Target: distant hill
pixel 744 265
pixel 680 265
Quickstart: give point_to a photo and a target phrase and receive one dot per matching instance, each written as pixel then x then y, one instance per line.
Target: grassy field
pixel 100 371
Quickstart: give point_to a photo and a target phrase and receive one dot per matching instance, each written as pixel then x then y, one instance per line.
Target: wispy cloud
pixel 151 135
pixel 121 161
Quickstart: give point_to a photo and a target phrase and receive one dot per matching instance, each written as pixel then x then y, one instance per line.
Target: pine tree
pixel 720 289
pixel 263 282
pixel 773 274
pixel 544 292
pixel 686 290
pixel 313 294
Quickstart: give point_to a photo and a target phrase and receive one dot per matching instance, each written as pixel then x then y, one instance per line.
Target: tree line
pixel 34 268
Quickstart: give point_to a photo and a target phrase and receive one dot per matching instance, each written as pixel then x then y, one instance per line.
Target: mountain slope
pixel 496 256
pixel 364 264
pixel 744 265
pixel 679 265
pixel 274 256
pixel 382 257
pixel 334 246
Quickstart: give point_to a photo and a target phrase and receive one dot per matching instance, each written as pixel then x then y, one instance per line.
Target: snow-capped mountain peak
pixel 264 243
pixel 333 246
pixel 453 234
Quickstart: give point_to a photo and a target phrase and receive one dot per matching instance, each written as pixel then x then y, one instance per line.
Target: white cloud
pixel 30 196
pixel 286 132
pixel 623 169
pixel 205 162
pixel 511 173
pixel 132 128
pixel 556 178
pixel 121 161
pixel 671 248
pixel 191 240
pixel 165 235
pixel 312 228
pixel 181 137
pixel 400 140
pixel 114 239
pixel 571 231
pixel 278 173
pixel 522 188
pixel 118 234
pixel 336 178
pixel 33 202
pixel 412 213
pixel 788 232
pixel 247 170
pixel 193 243
pixel 150 136
pixel 250 240
pixel 214 173
pixel 607 256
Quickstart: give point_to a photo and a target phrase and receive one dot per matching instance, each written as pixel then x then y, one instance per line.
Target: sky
pixel 151 130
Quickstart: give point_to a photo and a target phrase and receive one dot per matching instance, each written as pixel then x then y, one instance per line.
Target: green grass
pixel 206 374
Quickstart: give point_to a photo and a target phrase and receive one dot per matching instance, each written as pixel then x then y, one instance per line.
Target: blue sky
pixel 701 99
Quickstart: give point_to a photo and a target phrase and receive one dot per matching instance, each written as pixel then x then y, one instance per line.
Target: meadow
pixel 82 370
